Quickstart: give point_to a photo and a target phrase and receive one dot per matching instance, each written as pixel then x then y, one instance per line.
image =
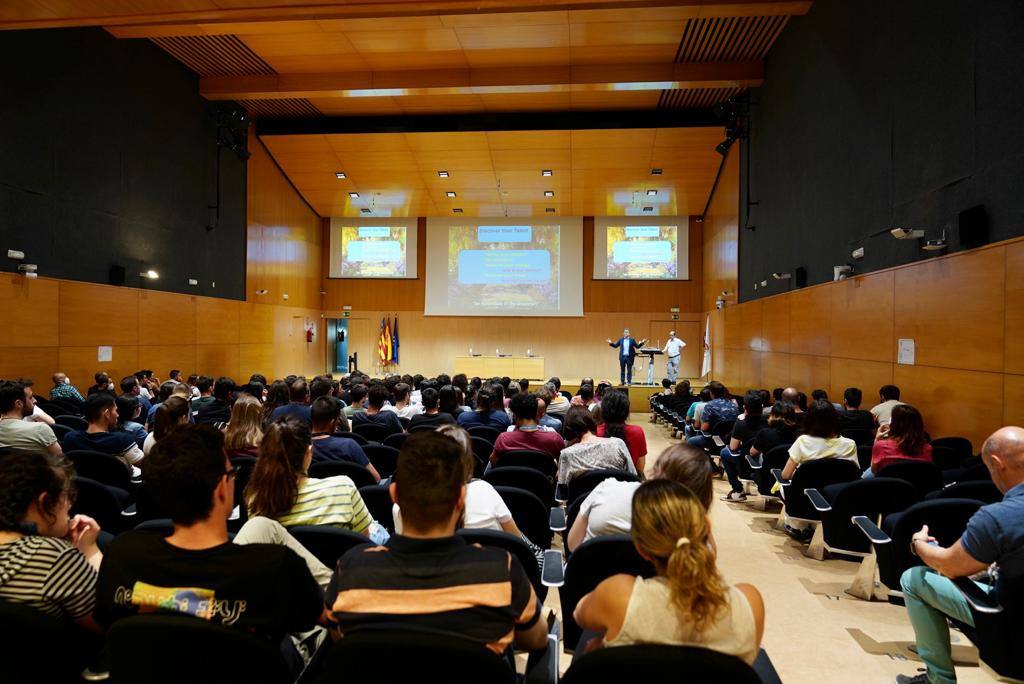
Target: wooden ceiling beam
pixel 113 13
pixel 518 80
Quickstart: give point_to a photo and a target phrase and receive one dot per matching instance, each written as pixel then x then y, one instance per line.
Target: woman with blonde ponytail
pixel 687 603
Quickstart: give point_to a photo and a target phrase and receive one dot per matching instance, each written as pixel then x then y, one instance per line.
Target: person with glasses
pixel 196 570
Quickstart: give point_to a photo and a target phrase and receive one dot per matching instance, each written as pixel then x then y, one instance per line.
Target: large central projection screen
pixel 504 267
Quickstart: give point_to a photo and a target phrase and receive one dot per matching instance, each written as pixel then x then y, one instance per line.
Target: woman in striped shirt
pixel 279 487
pixel 47 560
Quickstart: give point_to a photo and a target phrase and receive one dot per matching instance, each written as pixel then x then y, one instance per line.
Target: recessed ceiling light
pixel 456 210
pixel 450 193
pixel 546 173
pixel 442 174
pixel 340 175
pixel 652 193
pixel 648 208
pixel 550 210
pixel 655 172
pixel 365 210
pixel 354 195
pixel 549 193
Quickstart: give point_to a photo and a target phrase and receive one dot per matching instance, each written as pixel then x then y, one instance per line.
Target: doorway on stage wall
pixel 689 362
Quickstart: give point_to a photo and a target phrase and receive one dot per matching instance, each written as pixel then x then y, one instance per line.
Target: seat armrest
pixel 777 472
pixel 817 500
pixel 90 675
pixel 979 600
pixel 235 513
pixel 130 511
pixel 542 666
pixel 870 529
pixel 552 574
pixel 556 521
pixel 562 492
pixel 754 464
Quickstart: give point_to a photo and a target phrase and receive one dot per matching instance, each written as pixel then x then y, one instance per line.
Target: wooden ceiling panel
pixel 366 142
pixel 453 140
pixel 355 106
pixel 477 195
pixel 532 160
pixel 533 180
pixel 624 54
pixel 409 41
pixel 627 33
pixel 299 44
pixel 529 140
pixel 455 160
pixel 459 179
pixel 382 24
pixel 526 102
pixel 315 64
pixel 436 104
pixel 502 36
pixel 687 137
pixel 633 138
pixel 620 99
pixel 397 60
pixel 463 21
pixel 510 57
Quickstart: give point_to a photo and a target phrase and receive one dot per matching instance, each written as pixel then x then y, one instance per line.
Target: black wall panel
pixel 877 114
pixel 107 156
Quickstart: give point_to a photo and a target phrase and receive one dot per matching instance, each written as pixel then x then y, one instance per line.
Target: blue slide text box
pixel 645 251
pixel 504 266
pixel 375 250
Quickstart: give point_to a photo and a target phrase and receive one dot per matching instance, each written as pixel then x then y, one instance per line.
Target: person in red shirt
pixel 902 439
pixel 614 414
pixel 527 434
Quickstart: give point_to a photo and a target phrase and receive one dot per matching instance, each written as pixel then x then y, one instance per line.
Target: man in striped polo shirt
pixel 429 579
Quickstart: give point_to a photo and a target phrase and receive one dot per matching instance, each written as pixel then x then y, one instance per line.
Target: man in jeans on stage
pixel 673 349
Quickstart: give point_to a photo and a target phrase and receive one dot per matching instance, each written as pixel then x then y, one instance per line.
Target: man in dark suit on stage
pixel 627 347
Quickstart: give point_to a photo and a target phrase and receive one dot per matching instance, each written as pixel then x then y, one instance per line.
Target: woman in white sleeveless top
pixel 687 603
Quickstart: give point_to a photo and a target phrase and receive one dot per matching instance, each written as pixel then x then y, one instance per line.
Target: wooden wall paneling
pixel 162 358
pixel 30 310
pixel 218 360
pixel 690 332
pixel 38 364
pixel 256 323
pixel 1013 401
pixel 774 370
pixel 732 327
pixel 867 375
pixel 1014 334
pixel 753 325
pixel 166 314
pixel 98 315
pixel 721 234
pixel 810 321
pixel 808 373
pixel 952 307
pixel 775 318
pixel 934 392
pixel 743 370
pixel 257 357
pixel 717 326
pixel 80 364
pixel 217 321
pixel 862 317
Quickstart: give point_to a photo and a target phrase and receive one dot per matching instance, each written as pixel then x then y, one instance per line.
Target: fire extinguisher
pixel 309 334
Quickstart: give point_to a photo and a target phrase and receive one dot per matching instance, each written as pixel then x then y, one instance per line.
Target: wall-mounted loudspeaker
pixel 117 274
pixel 800 277
pixel 973 224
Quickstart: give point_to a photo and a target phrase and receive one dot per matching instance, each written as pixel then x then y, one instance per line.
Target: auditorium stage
pixel 639 395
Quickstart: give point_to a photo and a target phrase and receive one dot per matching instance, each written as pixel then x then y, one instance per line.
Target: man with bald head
pixel 63 389
pixel 994 536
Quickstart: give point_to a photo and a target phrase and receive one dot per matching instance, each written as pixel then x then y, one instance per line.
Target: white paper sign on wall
pixel 104 354
pixel 907 350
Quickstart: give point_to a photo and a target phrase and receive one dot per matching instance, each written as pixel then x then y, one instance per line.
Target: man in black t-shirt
pixel 852 416
pixel 376 397
pixel 218 410
pixel 430 415
pixel 258 587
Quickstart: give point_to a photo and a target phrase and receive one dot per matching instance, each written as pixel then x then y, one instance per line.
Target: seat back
pixel 31 640
pixel 976 473
pixel 98 501
pixel 961 445
pixel 926 477
pixel 592 562
pixel 359 475
pixel 572 511
pixel 327 543
pixel 946 458
pixel 482 450
pixel 997 635
pixel 378 502
pixel 362 441
pixel 872 497
pixel 862 436
pixel 384 458
pixel 73 422
pixel 723 429
pixel 422 427
pixel 245 465
pixel 515 546
pixel 60 431
pixel 864 456
pixel 984 491
pixel 657 663
pixel 530 479
pixel 369 656
pixel 585 482
pixel 775 457
pixel 137 649
pixel 529 459
pixel 817 474
pixel 405 422
pixel 101 467
pixel 396 440
pixel 529 513
pixel 372 432
pixel 485 431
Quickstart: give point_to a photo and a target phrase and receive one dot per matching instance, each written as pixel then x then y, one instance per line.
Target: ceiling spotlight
pixel 456 210
pixel 354 195
pixel 442 174
pixel 726 293
pixel 262 292
pixel 655 172
pixel 648 208
pixel 450 193
pixel 936 244
pixel 150 274
pixel 652 193
pixel 549 210
pixel 764 283
pixel 549 193
pixel 365 210
pixel 857 253
pixel 907 233
pixel 722 148
pixel 193 282
pixel 782 276
pixel 340 175
pixel 546 173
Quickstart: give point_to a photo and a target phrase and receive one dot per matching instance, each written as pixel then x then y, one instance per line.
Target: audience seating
pixel 405 422
pixel 100 501
pixel 874 498
pixel 572 511
pixel 926 477
pixel 482 450
pixel 862 436
pixel 657 663
pixel 359 475
pixel 530 479
pixel 946 458
pixel 372 432
pixel 528 459
pixel 73 422
pixel 383 458
pixel 245 465
pixel 775 457
pixel 39 648
pixel 422 428
pixel 165 526
pixel 104 468
pixel 813 475
pixel 378 501
pixel 593 561
pixel 353 435
pixel 532 517
pixel 864 456
pixel 327 543
pixel 984 491
pixel 585 482
pixel 515 546
pixel 996 630
pixel 160 648
pixel 485 431
pixel 961 445
pixel 60 431
pixel 396 440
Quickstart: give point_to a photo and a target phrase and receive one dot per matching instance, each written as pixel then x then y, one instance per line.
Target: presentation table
pixel 530 367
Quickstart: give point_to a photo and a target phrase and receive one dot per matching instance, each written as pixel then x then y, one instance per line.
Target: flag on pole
pixel 394 343
pixel 387 343
pixel 381 344
pixel 705 368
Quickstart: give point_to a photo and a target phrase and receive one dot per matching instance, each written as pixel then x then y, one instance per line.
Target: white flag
pixel 705 368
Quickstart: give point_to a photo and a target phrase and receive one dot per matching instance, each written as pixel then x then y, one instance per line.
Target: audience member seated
pixel 608 509
pixel 218 411
pixel 129 409
pixel 326 415
pixel 993 542
pixel 195 570
pixel 693 414
pixel 63 389
pixel 688 602
pixel 431 415
pixel 901 439
pixel 791 395
pixel 375 413
pixel 103 384
pixel 614 414
pixel 559 405
pixel 279 488
pixel 202 392
pixel 164 392
pixel 169 415
pixel 721 408
pixel 544 398
pixel 403 406
pixel 47 561
pixel 489 411
pixel 358 400
pixel 16 433
pixel 277 395
pixel 527 434
pixel 488 598
pixel 100 410
pixel 584 398
pixel 130 387
pixel 244 433
pixel 298 402
pixel 780 428
pixel 745 430
pixel 888 397
pixel 822 395
pixel 448 401
pixel 852 416
pixel 587 451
